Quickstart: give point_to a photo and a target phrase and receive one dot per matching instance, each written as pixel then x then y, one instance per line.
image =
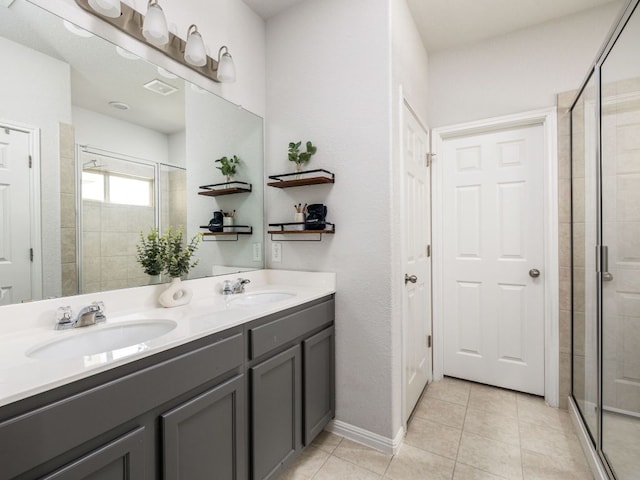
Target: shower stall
pixel 118 198
pixel 605 255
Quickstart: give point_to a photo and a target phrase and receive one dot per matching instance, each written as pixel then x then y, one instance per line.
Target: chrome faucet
pixel 231 288
pixel 89 315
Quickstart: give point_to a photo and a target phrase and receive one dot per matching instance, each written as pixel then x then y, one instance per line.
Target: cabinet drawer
pixel 267 337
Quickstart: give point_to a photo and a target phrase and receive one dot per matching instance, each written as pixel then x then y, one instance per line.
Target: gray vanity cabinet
pixel 291 369
pixel 238 404
pixel 121 459
pixel 276 386
pixel 204 437
pixel 319 395
pixel 182 410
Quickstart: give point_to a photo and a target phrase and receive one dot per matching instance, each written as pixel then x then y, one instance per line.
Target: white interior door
pixel 417 260
pixel 493 241
pixel 15 217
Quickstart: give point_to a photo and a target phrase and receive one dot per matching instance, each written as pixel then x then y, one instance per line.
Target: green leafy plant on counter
pixel 177 255
pixel 167 253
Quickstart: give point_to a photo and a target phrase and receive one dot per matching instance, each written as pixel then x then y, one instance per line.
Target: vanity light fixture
pixel 195 52
pixel 226 68
pixel 154 27
pixel 108 8
pixel 191 53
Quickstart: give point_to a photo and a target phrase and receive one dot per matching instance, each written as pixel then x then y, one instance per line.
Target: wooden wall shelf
pixel 285 229
pixel 228 231
pixel 226 188
pixel 298 179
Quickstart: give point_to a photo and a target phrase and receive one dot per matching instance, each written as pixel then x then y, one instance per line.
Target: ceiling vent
pixel 160 87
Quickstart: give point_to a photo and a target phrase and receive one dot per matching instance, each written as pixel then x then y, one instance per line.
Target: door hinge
pixel 428 251
pixel 428 341
pixel 30 161
pixel 429 159
pixel 31 254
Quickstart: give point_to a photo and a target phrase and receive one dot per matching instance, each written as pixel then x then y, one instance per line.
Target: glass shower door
pixel 620 144
pixel 584 240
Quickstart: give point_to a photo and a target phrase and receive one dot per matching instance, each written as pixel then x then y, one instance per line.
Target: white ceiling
pixel 98 74
pixel 450 23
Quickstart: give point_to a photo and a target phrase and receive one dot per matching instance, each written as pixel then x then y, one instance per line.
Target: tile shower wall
pixel 564 242
pixel 68 210
pixel 109 235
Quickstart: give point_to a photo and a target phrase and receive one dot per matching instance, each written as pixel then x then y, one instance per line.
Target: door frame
pixel 405 103
pixel 34 200
pixel 547 118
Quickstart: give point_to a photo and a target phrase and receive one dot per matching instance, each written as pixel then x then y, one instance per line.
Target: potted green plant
pixel 228 166
pixel 176 255
pixel 149 254
pixel 298 157
pixel 169 254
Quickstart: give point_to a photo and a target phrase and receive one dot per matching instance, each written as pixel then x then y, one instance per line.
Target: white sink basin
pixel 99 339
pixel 248 299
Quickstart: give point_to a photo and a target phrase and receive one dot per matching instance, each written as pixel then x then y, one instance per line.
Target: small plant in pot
pixel 298 157
pixel 176 255
pixel 177 258
pixel 228 166
pixel 169 254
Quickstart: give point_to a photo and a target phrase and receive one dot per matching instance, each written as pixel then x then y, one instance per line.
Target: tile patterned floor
pixel 460 431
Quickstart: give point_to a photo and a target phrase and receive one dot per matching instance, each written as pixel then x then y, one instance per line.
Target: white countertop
pixel 27 326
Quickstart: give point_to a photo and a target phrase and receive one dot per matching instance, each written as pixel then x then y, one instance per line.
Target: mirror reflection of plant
pixel 167 253
pixel 298 157
pixel 228 166
pixel 150 252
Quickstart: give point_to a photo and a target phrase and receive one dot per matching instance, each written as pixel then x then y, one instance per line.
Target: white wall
pixel 221 22
pixel 517 72
pixel 328 81
pixel 409 81
pixel 43 101
pixel 108 133
pixel 216 129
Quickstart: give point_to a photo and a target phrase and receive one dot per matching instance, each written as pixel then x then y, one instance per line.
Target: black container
pixel 215 224
pixel 316 217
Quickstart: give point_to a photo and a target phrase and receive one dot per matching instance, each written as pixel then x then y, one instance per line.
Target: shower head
pixel 91 164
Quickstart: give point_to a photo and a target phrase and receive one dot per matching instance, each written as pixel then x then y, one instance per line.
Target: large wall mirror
pixel 96 146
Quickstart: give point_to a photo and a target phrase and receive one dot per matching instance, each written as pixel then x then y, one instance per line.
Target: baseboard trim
pixel 386 445
pixel 595 465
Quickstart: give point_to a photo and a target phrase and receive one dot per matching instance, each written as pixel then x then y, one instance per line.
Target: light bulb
pixel 154 27
pixel 194 52
pixel 108 8
pixel 226 67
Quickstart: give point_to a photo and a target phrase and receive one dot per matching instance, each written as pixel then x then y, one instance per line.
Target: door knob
pixel 534 273
pixel 606 277
pixel 410 278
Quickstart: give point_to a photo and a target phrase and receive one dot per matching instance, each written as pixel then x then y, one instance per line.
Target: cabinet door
pixel 122 459
pixel 276 412
pixel 319 383
pixel 205 437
